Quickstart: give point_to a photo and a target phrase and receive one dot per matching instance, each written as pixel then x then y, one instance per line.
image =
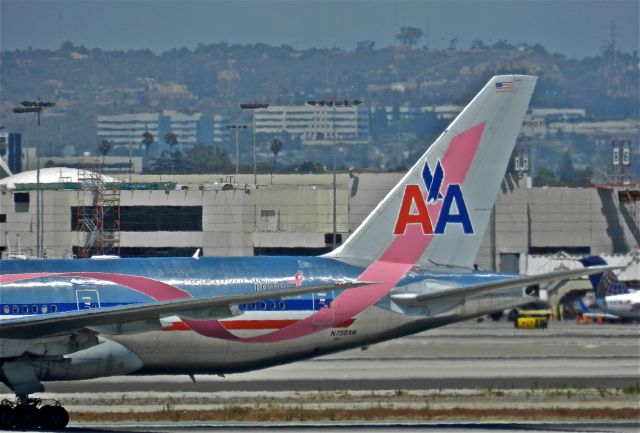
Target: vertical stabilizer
pixel 606 283
pixel 438 212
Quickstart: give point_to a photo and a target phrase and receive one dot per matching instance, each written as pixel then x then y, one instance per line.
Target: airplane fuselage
pixel 626 306
pixel 259 334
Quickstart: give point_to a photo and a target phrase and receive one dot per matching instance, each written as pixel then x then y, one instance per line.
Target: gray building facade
pixel 292 214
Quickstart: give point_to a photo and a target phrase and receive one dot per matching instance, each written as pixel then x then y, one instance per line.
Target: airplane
pixel 614 301
pixel 407 268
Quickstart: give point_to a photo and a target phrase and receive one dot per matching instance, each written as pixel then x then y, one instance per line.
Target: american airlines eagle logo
pixel 419 208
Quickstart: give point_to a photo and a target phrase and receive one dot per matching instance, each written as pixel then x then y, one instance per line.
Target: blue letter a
pixel 454 193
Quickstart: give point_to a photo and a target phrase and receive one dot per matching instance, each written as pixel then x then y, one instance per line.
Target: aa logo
pixel 447 208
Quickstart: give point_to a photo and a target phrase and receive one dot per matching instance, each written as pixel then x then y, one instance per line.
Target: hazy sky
pixel 573 27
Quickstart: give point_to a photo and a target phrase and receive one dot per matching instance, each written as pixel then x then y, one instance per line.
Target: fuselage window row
pixel 15 309
pixel 270 305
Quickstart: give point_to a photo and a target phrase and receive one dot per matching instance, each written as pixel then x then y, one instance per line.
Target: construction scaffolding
pixel 100 222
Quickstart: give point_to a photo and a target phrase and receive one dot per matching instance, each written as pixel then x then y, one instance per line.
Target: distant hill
pixel 216 78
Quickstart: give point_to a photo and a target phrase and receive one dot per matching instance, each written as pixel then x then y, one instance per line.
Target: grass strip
pixel 248 414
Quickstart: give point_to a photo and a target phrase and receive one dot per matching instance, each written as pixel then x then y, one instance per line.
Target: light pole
pixel 253 107
pixel 237 127
pixel 334 103
pixel 37 107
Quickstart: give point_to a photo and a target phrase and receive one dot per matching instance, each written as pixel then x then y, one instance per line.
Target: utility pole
pixel 334 103
pixel 237 127
pixel 253 107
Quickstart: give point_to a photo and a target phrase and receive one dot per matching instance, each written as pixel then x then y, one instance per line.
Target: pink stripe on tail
pixel 403 253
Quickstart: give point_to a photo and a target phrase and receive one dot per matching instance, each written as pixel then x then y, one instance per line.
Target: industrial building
pixel 289 215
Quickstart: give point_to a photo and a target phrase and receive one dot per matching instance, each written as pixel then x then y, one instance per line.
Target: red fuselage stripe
pixel 250 324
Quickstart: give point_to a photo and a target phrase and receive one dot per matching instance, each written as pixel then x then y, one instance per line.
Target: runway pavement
pixel 455 366
pixel 464 355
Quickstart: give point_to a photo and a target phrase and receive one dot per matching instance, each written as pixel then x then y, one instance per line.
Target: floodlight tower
pixel 334 103
pixel 37 107
pixel 253 107
pixel 237 127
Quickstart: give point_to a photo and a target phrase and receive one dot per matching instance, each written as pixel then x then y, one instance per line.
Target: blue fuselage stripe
pixel 21 309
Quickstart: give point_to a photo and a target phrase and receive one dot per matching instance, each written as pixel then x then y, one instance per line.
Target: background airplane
pixel 407 268
pixel 613 300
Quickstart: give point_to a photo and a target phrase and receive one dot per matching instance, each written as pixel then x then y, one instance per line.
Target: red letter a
pixel 412 194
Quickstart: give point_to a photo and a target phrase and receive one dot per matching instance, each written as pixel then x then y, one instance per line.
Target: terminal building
pixel 290 215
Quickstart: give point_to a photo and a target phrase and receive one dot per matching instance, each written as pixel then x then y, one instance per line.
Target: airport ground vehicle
pixel 531 322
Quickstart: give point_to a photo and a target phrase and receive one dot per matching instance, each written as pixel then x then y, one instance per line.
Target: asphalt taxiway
pixel 455 366
pixel 463 355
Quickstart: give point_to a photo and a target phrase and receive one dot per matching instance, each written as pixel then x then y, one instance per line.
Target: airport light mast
pixel 37 107
pixel 253 107
pixel 237 127
pixel 334 103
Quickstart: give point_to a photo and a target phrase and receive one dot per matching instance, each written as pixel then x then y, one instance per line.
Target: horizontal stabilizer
pixel 417 299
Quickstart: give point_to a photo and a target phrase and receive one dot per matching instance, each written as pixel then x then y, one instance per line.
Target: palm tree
pixel 147 141
pixel 171 139
pixel 104 147
pixel 3 144
pixel 276 147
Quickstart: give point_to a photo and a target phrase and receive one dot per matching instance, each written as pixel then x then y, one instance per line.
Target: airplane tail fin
pixel 606 283
pixel 438 212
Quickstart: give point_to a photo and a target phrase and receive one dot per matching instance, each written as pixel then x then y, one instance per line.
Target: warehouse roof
pixel 52 175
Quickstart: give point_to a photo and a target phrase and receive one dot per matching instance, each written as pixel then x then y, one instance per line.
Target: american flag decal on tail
pixel 504 86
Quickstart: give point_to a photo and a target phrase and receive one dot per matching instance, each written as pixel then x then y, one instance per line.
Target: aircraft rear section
pixel 180 350
pixel 400 273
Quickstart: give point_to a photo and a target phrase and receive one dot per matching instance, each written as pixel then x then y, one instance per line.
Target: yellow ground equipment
pixel 528 322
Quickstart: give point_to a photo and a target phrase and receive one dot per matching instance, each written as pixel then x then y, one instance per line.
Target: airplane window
pixel 282 305
pixel 34 309
pixel 54 308
pixel 272 305
pixel 43 308
pixel 15 309
pixel 263 305
pixel 5 309
pixel 25 309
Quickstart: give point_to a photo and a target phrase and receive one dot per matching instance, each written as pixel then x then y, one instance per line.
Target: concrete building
pixel 292 214
pixel 315 125
pixel 127 129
